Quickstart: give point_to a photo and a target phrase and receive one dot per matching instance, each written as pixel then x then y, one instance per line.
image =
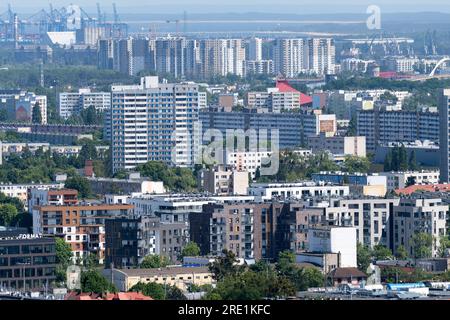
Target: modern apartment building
pixel 267 191
pixel 415 215
pixel 81 225
pixel 27 262
pixel 128 240
pixel 370 216
pixel 154 122
pixel 253 230
pixel 45 196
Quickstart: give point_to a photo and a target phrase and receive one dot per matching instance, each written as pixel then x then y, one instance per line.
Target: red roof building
pixel 283 86
pixel 430 187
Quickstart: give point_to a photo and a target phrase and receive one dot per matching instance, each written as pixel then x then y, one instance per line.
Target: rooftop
pixel 163 271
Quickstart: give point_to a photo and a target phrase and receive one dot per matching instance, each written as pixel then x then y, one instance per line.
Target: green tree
pixel 444 245
pixel 401 253
pixel 354 164
pixel 364 257
pixel 412 163
pixel 36 116
pixel 381 252
pixel 224 265
pixel 286 263
pixel 80 184
pixel 151 289
pixel 8 213
pixel 403 159
pixel 190 250
pixel 63 258
pixel 250 285
pixel 422 244
pixel 94 281
pixel 308 278
pixel 154 261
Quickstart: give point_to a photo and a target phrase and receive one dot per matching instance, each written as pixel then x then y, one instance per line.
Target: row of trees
pixel 175 179
pixel 421 243
pixel 397 160
pixel 261 280
pixel 293 167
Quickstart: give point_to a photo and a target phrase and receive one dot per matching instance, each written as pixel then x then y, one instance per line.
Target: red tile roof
pixel 283 86
pixel 347 273
pixel 431 187
pixel 109 296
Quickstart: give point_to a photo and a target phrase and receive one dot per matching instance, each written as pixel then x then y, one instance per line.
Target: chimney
pixel 89 168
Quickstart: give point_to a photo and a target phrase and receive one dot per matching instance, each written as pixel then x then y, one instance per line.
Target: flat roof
pixel 163 271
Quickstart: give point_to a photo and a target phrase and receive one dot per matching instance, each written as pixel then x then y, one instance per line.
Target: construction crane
pixel 99 13
pixel 116 16
pixel 177 22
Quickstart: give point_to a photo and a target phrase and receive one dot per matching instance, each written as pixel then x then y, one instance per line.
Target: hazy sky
pixel 203 6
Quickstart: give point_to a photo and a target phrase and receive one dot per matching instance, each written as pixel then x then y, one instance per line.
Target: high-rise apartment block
pixel 154 122
pixel 444 134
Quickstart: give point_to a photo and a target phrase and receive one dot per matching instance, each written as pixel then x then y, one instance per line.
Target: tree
pixel 8 213
pixel 401 253
pixel 225 265
pixel 151 289
pixel 36 116
pixel 412 163
pixel 154 261
pixel 286 263
pixel 364 257
pixel 176 179
pixel 422 243
pixel 93 281
pixel 250 285
pixel 308 278
pixel 354 164
pixel 403 159
pixel 381 252
pixel 190 250
pixel 63 258
pixel 444 245
pixel 80 184
pixel 388 162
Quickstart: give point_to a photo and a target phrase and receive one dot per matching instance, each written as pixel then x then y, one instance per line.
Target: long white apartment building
pixel 267 191
pixel 399 180
pixel 74 102
pixel 154 121
pixel 177 207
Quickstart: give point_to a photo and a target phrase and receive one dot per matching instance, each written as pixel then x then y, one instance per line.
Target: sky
pixel 214 6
